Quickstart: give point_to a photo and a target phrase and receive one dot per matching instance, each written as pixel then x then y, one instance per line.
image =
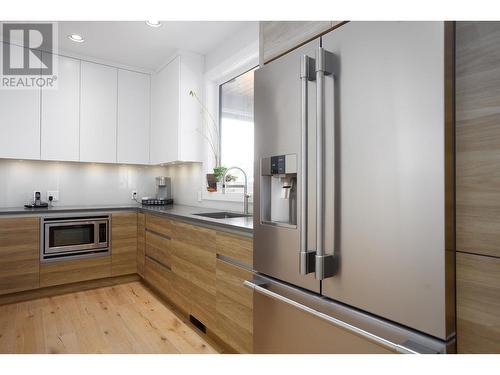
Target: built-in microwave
pixel 82 236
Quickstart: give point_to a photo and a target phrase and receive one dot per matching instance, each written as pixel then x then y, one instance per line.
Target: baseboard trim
pixel 66 288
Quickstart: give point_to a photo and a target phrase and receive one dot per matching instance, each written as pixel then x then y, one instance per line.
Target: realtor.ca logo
pixel 28 60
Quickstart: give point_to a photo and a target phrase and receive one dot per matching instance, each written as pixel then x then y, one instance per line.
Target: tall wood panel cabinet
pixel 477 186
pixel 279 37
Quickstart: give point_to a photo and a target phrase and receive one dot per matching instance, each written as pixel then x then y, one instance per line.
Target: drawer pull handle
pixel 158 234
pixel 159 263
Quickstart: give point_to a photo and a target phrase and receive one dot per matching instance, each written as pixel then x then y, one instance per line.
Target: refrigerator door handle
pixel 307 73
pixel 324 263
pixel 336 322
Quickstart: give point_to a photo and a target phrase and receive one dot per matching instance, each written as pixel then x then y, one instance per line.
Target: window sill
pixel 232 195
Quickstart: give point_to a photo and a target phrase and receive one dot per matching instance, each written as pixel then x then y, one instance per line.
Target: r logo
pixel 35 38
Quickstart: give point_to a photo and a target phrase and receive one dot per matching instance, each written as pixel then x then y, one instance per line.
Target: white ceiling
pixel 136 44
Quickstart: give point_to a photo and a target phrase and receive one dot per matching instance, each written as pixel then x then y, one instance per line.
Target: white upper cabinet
pixel 176 116
pixel 133 117
pixel 60 123
pixel 98 112
pixel 19 118
pixel 165 113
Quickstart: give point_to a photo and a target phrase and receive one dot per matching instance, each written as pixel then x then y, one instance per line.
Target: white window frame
pixel 213 81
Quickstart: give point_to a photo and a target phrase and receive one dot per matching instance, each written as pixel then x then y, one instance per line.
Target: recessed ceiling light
pixel 76 38
pixel 153 23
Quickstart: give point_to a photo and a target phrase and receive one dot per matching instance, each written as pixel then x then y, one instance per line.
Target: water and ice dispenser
pixel 278 190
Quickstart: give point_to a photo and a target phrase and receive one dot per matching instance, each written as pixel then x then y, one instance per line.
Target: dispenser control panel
pixel 278 164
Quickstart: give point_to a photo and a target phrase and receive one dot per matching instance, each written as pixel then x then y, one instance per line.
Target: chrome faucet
pixel 244 186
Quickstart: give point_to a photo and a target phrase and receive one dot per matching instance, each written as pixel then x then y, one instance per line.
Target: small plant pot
pixel 211 182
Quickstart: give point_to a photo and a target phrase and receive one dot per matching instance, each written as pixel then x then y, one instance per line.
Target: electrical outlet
pixel 54 194
pixel 134 195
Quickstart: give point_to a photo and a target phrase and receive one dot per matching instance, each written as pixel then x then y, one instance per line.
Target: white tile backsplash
pixel 77 183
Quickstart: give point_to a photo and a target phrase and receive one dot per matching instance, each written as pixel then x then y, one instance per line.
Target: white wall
pixel 78 183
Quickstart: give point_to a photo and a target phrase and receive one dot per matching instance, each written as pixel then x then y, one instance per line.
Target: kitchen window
pixel 236 124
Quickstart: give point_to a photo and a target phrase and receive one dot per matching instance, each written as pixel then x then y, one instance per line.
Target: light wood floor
pixel 124 318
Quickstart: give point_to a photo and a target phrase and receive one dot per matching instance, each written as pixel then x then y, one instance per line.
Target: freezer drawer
pixel 291 320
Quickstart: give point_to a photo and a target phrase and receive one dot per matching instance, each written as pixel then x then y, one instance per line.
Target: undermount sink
pixel 222 215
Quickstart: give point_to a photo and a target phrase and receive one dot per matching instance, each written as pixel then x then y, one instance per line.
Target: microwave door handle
pixel 307 73
pixel 96 233
pixel 324 263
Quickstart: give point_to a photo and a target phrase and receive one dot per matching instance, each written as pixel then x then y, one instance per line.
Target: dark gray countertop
pixel 187 212
pixel 240 224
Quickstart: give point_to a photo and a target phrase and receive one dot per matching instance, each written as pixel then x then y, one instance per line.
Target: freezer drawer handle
pixel 336 322
pixel 307 73
pixel 324 263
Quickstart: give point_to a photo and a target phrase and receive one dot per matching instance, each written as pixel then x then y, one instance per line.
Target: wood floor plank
pixel 7 329
pixel 125 318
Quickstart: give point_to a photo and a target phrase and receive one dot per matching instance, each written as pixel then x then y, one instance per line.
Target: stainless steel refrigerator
pixel 353 218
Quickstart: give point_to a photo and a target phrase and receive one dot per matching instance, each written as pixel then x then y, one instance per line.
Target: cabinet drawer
pixel 478 304
pixel 158 276
pixel 235 247
pixel 19 254
pixel 159 248
pixel 72 271
pixel 234 307
pixel 159 225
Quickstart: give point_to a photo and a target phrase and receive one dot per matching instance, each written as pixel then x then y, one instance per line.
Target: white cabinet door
pixel 190 118
pixel 165 114
pixel 60 123
pixel 19 119
pixel 133 117
pixel 98 113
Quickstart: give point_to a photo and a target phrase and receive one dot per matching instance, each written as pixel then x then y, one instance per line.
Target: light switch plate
pixel 54 194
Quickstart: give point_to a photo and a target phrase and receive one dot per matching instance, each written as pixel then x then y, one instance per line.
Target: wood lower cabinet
pixel 478 304
pixel 158 276
pixel 124 243
pixel 19 254
pixel 234 307
pixel 193 266
pixel 72 271
pixel 141 243
pixel 181 264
